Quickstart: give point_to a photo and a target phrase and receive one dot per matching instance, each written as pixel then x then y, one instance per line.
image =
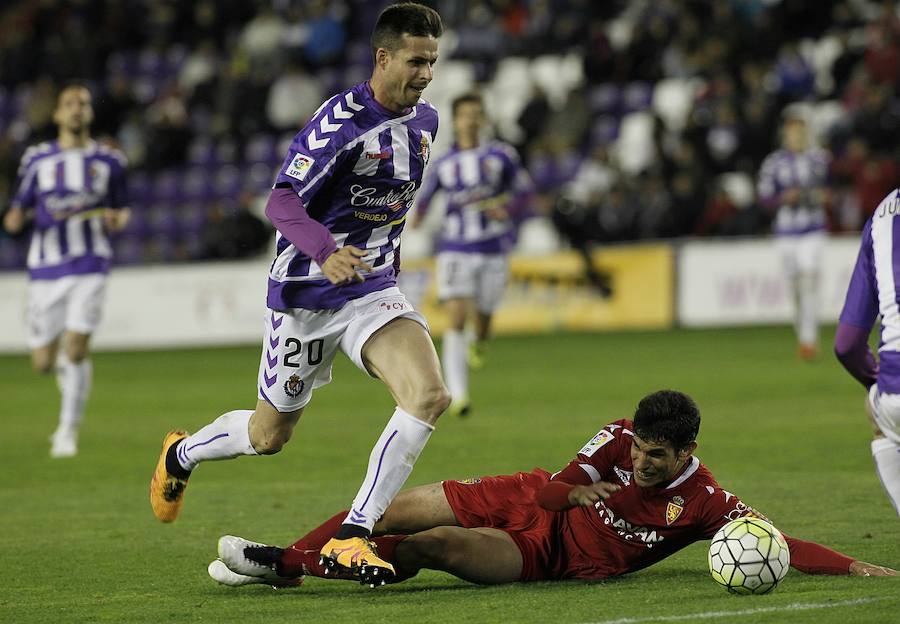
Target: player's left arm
pixel 118 213
pixel 517 189
pixel 430 186
pixel 808 557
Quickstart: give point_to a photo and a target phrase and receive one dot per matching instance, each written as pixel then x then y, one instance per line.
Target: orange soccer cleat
pixel 167 490
pixel 356 556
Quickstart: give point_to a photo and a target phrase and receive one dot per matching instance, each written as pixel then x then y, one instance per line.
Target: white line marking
pixel 797 606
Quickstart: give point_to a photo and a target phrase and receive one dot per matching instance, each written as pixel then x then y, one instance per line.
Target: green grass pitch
pixel 78 541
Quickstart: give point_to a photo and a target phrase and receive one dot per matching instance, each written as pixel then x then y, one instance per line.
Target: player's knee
pixel 76 352
pixel 269 442
pixel 430 403
pixel 429 549
pixel 42 365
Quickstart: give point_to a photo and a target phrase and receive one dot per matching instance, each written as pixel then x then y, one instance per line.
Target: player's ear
pixel 687 451
pixel 382 56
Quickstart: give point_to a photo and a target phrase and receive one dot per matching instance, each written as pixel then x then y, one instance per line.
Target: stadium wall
pixel 731 283
pixel 656 286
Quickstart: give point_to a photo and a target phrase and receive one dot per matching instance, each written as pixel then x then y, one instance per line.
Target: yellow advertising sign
pixel 551 292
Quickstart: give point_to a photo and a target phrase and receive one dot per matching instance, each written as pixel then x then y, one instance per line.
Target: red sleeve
pixel 555 496
pixel 812 558
pixel 807 557
pixel 593 460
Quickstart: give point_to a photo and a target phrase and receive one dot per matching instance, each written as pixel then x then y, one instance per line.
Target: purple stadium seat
pixel 604 99
pixel 637 96
pixel 150 63
pixel 128 250
pixel 175 57
pixel 605 129
pixel 227 181
pixel 202 151
pixel 140 188
pixel 226 151
pixel 259 178
pixel 168 186
pixel 192 218
pixel 139 225
pixel 196 185
pixel 260 149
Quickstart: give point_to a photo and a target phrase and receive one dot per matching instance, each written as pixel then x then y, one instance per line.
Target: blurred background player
pixel 339 204
pixel 873 290
pixel 72 191
pixel 792 183
pixel 634 495
pixel 486 188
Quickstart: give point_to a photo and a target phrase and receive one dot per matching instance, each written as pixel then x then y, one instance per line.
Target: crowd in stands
pixel 659 132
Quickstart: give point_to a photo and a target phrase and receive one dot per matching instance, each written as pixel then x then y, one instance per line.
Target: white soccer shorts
pixel 886 411
pixel 476 276
pixel 300 345
pixel 801 253
pixel 71 303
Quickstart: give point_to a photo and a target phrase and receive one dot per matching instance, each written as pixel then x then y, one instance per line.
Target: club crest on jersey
pixel 299 167
pixel 674 509
pixel 604 437
pixel 424 150
pixel 293 386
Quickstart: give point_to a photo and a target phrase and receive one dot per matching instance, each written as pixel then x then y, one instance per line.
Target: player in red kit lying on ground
pixel 633 495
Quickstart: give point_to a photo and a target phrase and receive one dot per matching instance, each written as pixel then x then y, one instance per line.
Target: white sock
pixel 226 437
pixel 74 381
pixel 454 356
pixel 390 463
pixel 887 464
pixel 807 309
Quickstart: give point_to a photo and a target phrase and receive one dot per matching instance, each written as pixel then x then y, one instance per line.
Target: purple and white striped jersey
pixel 807 171
pixel 356 167
pixel 68 188
pixel 875 288
pixel 471 178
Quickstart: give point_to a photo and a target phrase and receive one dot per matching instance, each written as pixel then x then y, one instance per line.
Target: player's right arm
pixel 310 162
pixel 20 211
pixel 851 344
pixel 14 220
pixel 431 184
pixel 580 482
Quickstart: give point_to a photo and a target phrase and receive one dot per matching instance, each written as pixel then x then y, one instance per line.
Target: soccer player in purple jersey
pixel 792 183
pixel 486 186
pixel 339 204
pixel 72 192
pixel 874 290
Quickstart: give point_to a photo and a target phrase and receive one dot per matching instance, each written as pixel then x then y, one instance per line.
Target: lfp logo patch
pixel 299 167
pixel 596 442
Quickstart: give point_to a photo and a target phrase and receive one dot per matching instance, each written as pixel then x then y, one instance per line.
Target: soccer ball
pixel 748 556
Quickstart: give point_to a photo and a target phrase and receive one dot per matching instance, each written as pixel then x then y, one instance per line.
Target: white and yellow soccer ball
pixel 748 556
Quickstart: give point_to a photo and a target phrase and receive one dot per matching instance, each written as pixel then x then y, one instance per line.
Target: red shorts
pixel 508 503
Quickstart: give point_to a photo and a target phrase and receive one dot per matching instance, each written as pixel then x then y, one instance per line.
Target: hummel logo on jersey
pixel 378 155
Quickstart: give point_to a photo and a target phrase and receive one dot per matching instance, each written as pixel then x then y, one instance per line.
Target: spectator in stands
pixel 293 98
pixel 233 231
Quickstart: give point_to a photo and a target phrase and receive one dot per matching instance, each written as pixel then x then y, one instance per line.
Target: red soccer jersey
pixel 636 527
